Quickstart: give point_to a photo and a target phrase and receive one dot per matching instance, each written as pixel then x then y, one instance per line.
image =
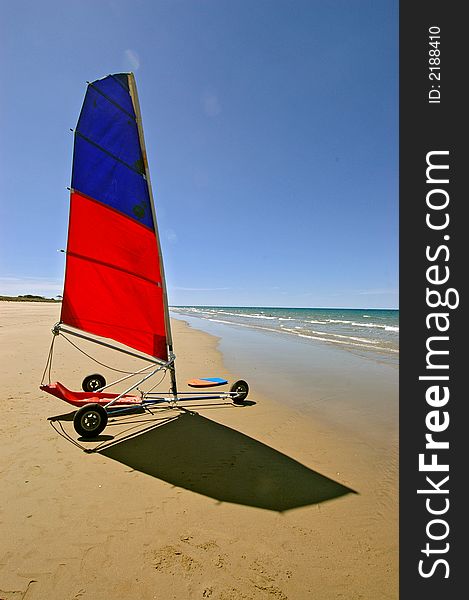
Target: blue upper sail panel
pixel 107 158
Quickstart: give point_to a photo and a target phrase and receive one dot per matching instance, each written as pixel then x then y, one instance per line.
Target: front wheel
pixel 241 389
pixel 90 420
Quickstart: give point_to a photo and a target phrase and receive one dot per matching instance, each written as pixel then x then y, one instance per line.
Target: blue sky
pixel 272 135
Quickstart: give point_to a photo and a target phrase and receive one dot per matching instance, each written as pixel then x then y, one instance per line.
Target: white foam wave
pixel 377 325
pixel 337 321
pixel 314 337
pixel 331 335
pixel 208 313
pixel 355 324
pixel 349 337
pixel 320 337
pixel 242 315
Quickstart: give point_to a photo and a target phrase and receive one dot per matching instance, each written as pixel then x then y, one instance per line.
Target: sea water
pixel 365 331
pixel 337 364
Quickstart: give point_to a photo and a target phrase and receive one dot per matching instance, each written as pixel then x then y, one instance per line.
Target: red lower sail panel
pixel 113 285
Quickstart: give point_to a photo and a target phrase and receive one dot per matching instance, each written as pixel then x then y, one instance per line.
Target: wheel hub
pixel 91 420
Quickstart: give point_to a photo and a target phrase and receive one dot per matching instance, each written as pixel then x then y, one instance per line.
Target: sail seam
pixel 115 267
pixel 109 207
pixel 112 101
pixel 113 156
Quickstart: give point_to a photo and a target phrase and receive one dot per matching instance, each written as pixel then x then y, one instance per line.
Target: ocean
pixel 373 331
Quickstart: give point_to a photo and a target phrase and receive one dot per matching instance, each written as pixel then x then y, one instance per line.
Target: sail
pixel 114 279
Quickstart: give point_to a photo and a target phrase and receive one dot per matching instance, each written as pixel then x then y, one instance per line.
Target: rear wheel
pixel 90 420
pixel 94 382
pixel 242 389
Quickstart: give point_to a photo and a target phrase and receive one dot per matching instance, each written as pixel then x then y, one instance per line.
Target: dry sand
pixel 228 503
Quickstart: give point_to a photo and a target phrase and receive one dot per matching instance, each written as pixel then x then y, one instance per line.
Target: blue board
pixel 206 382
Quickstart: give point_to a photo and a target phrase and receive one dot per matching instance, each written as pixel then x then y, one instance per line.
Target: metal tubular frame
pixel 148 398
pixel 128 376
pixel 60 328
pixel 132 387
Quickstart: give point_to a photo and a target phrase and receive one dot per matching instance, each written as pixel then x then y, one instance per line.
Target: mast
pixel 134 96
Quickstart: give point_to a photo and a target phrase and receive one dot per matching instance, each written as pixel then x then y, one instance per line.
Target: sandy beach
pixel 277 499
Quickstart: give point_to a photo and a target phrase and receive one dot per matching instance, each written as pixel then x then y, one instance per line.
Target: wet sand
pixel 276 499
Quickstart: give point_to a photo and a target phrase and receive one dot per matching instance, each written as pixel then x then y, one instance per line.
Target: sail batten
pixel 116 104
pixel 131 167
pixel 114 279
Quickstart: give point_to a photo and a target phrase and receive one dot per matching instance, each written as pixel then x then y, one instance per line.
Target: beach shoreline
pixel 354 392
pixel 195 508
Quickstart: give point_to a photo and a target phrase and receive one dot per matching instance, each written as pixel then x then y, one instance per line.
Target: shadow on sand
pixel 200 455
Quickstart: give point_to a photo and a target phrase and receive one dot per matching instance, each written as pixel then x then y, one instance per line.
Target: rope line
pixel 48 366
pixel 100 363
pixel 127 433
pixel 156 384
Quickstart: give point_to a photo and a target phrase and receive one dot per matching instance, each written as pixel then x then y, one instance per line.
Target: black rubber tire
pixel 242 390
pixel 91 383
pixel 90 420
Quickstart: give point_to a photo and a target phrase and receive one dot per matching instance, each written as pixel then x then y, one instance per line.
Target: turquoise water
pixel 361 330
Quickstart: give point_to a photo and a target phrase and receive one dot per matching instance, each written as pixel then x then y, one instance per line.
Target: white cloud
pixel 40 286
pixel 131 60
pixel 210 104
pixel 188 289
pixel 171 236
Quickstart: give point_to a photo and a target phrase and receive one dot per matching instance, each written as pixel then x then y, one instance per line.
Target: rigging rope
pixel 49 361
pixel 153 422
pixel 156 384
pixel 100 363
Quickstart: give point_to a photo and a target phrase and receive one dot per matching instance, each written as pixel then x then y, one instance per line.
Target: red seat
pixel 81 398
